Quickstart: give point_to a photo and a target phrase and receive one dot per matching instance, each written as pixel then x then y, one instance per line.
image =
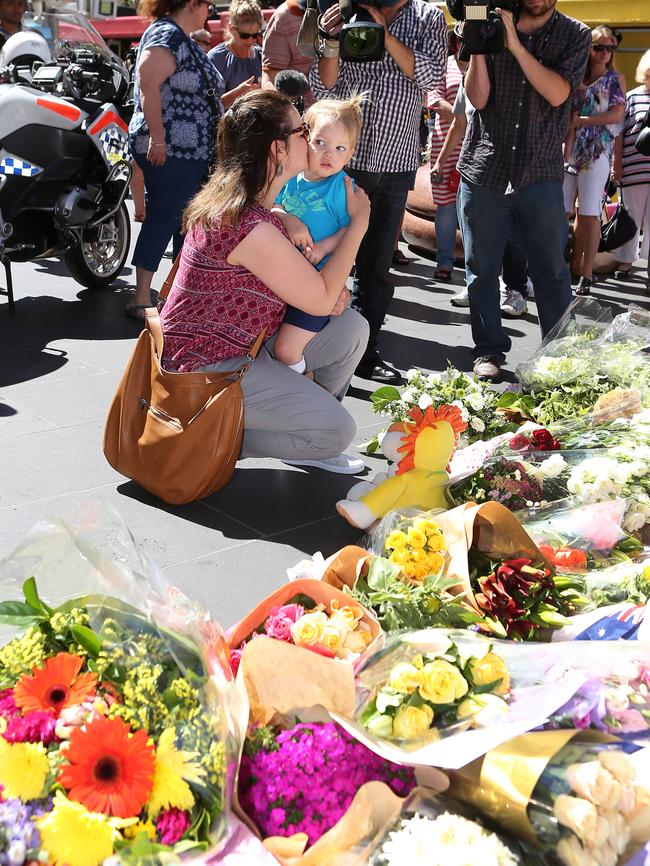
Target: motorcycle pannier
pixel 178 435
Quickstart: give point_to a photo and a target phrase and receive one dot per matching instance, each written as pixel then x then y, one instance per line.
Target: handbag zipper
pixel 160 414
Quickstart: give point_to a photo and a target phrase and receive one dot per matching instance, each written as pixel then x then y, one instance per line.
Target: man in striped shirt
pixel 388 153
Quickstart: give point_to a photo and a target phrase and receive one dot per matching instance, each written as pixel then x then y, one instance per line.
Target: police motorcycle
pixel 64 158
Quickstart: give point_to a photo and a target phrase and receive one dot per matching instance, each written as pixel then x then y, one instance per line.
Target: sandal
pixel 131 312
pixel 584 286
pixel 400 259
pixel 620 274
pixel 443 274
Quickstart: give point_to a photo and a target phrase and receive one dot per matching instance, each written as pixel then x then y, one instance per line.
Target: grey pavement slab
pixel 61 356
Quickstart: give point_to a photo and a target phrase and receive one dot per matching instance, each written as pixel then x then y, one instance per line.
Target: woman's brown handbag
pixel 178 435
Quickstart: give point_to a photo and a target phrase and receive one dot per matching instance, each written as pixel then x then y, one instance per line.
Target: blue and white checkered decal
pixel 14 165
pixel 114 145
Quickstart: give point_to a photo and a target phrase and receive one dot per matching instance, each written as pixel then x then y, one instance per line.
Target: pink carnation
pixel 631 722
pixel 36 727
pixel 172 824
pixel 7 703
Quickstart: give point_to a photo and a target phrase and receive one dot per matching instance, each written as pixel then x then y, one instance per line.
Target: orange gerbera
pixel 111 770
pixel 54 686
pixel 420 421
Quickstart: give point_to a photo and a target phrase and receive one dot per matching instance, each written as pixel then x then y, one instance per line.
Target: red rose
pixel 520 443
pixel 543 441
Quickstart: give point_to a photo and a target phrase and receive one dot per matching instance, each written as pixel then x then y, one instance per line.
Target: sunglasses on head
pixel 303 130
pixel 602 48
pixel 248 35
pixel 211 7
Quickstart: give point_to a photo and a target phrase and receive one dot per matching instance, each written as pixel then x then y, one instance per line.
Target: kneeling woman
pixel 237 273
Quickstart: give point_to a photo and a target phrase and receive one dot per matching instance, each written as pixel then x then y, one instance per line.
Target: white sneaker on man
pixel 342 464
pixel 487 368
pixel 513 304
pixel 460 299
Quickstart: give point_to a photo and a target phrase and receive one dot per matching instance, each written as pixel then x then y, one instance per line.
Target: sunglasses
pixel 303 130
pixel 248 35
pixel 602 48
pixel 211 6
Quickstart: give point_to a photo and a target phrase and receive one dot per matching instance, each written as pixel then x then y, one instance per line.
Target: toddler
pixel 313 210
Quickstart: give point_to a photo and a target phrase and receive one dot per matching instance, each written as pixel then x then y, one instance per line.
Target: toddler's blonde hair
pixel 347 112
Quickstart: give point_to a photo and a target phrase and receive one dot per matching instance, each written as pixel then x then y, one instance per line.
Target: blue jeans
pixel 387 193
pixel 515 266
pixel 537 212
pixel 168 187
pixel 446 222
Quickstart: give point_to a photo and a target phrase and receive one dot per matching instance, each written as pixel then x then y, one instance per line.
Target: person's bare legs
pixel 590 239
pixel 142 294
pixel 577 250
pixel 290 344
pixel 137 192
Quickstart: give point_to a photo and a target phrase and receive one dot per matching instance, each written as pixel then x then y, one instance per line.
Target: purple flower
pixel 17 827
pixel 171 825
pixel 36 727
pixel 7 703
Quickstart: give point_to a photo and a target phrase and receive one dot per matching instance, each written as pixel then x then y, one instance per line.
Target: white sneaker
pixel 487 368
pixel 460 299
pixel 342 464
pixel 513 304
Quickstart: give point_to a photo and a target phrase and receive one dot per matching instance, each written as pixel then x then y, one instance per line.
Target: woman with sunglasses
pixel 237 273
pixel 239 57
pixel 598 109
pixel 173 128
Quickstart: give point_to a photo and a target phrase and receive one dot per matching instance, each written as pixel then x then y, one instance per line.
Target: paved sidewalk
pixel 61 356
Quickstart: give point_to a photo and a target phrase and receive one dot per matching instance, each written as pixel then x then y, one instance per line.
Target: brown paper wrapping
pixel 280 677
pixel 502 782
pixel 490 528
pixel 344 567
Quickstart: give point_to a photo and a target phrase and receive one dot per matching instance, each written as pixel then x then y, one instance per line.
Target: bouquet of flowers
pixel 302 779
pixel 591 432
pixel 503 480
pixel 475 399
pixel 117 720
pixel 616 702
pixel 575 799
pixel 432 831
pixel 578 538
pixel 433 691
pixel 625 581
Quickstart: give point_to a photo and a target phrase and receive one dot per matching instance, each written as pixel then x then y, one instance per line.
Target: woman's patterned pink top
pixel 215 310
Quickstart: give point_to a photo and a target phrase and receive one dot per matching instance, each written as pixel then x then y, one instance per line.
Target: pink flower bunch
pixel 278 624
pixel 7 703
pixel 35 727
pixel 172 824
pixel 303 779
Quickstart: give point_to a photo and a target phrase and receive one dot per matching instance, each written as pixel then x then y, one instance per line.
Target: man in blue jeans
pixel 512 169
pixel 388 151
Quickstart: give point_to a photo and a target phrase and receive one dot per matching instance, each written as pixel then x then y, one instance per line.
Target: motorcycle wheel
pixel 100 256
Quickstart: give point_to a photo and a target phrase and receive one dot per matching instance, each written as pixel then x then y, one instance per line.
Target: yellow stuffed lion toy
pixel 425 445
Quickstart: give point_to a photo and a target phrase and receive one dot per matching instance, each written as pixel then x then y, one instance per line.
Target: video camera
pixel 482 27
pixel 361 39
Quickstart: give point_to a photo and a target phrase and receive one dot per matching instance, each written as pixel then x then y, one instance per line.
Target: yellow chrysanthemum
pixel 174 769
pixel 141 827
pixel 73 836
pixel 395 540
pixel 23 768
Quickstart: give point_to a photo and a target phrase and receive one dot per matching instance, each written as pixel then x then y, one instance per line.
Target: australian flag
pixel 624 624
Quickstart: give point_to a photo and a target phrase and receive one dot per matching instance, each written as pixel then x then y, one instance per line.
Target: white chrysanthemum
pixel 412 374
pixel 476 400
pixel 448 840
pixel 433 379
pixel 553 466
pixel 424 401
pixel 408 395
pixel 477 424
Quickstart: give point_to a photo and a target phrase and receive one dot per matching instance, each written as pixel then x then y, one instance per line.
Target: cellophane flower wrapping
pixel 442 697
pixel 569 793
pixel 435 831
pixel 121 723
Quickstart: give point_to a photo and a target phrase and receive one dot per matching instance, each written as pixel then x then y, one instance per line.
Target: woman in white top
pixel 632 169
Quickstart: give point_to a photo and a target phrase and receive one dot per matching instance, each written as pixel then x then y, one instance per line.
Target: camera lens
pixel 361 41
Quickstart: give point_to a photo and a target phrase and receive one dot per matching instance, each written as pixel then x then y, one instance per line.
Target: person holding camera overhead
pixel 388 153
pixel 512 169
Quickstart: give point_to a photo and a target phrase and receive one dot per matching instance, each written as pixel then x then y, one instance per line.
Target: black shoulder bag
pixel 617 231
pixel 642 143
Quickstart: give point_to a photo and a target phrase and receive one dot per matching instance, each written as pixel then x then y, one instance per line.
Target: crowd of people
pixel 270 210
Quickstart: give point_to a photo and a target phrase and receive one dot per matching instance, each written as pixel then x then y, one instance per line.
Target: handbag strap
pixel 152 320
pixel 166 286
pixel 210 91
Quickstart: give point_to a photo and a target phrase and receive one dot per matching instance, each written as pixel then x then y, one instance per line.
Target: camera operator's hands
pixel 512 39
pixel 331 21
pixel 377 15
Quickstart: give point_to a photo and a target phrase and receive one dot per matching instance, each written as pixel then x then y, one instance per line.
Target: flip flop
pixel 131 312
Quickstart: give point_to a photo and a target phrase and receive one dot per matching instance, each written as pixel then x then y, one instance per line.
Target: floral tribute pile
pixel 107 745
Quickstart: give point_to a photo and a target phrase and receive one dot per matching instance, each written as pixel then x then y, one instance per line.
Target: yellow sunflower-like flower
pixel 73 836
pixel 395 540
pixel 173 770
pixel 23 768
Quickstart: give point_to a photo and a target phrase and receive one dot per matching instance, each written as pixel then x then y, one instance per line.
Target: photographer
pixel 388 153
pixel 512 169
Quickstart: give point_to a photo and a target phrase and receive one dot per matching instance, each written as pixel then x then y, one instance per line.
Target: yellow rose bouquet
pixel 572 794
pixel 414 543
pixel 438 691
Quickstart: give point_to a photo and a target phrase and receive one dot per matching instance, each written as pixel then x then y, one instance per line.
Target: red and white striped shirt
pixel 447 90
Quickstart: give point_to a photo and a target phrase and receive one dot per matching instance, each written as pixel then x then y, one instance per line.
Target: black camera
pixel 361 39
pixel 482 27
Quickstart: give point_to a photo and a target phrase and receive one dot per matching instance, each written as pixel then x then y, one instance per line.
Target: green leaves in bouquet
pixel 513 401
pixel 401 605
pixel 383 396
pixel 28 612
pixel 141 851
